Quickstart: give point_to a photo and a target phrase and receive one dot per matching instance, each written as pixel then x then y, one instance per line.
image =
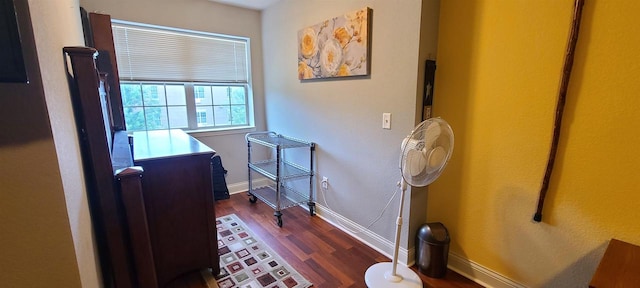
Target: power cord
pixel 325 186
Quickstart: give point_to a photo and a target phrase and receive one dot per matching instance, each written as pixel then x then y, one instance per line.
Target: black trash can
pixel 432 249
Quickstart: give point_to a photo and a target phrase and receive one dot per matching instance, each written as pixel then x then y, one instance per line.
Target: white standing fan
pixel 425 153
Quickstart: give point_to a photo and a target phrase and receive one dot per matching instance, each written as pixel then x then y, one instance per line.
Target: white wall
pixel 56 24
pixel 207 16
pixel 344 116
pixel 46 233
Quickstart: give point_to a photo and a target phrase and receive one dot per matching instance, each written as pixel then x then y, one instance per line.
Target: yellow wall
pixel 499 67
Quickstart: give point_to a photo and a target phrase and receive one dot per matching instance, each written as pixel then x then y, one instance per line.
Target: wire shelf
pixel 280 195
pixel 273 140
pixel 288 170
pixel 288 197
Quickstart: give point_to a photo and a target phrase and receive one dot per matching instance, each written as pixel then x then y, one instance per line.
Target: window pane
pixel 178 117
pixel 220 95
pixel 153 106
pixel 153 95
pixel 238 114
pixel 237 95
pixel 204 116
pixel 134 119
pixel 201 117
pixel 202 95
pixel 222 115
pixel 131 95
pixel 156 118
pixel 176 95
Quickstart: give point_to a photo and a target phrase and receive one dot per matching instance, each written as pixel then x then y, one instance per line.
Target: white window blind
pixel 166 54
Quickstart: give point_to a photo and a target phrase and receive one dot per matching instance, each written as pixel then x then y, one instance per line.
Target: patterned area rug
pixel 247 262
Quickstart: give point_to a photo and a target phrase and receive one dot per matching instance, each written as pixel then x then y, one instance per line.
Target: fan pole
pixel 403 189
pixel 564 83
pixel 386 275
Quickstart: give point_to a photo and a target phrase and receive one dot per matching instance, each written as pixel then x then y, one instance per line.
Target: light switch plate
pixel 386 120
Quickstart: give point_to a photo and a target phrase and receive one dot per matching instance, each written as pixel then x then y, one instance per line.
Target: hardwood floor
pixel 325 255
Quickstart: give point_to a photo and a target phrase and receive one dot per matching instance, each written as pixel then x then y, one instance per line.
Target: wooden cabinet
pixel 154 221
pixel 101 38
pixel 619 267
pixel 103 191
pixel 178 199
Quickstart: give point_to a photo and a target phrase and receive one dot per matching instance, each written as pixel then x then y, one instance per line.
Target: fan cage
pixel 431 133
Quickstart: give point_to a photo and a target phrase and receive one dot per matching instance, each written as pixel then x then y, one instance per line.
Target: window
pixel 150 106
pixel 225 105
pixel 173 78
pixel 201 116
pixel 199 94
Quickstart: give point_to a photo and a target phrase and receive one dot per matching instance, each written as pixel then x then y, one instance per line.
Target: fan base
pixel 379 275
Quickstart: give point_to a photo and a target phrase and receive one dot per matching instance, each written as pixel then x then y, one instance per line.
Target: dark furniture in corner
pixel 153 215
pixel 180 203
pixel 619 267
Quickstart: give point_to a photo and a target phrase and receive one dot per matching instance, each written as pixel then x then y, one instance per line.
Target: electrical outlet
pixel 325 182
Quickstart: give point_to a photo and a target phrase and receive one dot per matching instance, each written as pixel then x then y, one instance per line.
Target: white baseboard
pixel 364 235
pixel 240 187
pixel 243 186
pixel 480 274
pixel 471 270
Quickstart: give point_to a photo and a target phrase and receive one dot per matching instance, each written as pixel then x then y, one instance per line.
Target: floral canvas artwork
pixel 337 47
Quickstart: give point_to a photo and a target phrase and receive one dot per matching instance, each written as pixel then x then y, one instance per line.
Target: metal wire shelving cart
pixel 278 191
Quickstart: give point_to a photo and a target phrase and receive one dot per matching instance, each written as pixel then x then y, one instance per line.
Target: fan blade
pixel 436 159
pixel 431 134
pixel 416 162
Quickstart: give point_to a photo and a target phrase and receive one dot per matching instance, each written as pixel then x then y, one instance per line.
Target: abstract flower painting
pixel 337 47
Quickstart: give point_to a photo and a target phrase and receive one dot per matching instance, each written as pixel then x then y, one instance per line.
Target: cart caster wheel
pixel 279 221
pixel 312 208
pixel 253 199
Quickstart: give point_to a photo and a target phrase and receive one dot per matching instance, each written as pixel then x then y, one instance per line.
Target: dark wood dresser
pixel 153 213
pixel 178 198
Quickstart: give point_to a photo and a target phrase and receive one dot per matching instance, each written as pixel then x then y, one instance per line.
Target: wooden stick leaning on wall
pixel 566 75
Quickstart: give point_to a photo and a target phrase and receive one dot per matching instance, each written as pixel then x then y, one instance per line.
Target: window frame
pixel 189 85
